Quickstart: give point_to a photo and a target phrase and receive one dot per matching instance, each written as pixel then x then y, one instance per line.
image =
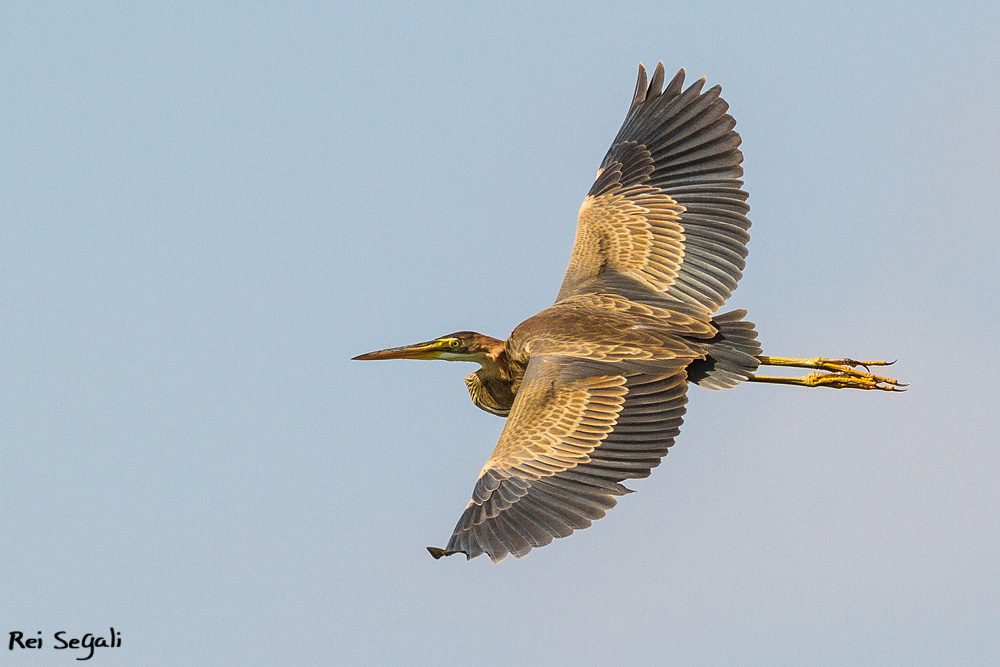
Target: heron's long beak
pixel 430 350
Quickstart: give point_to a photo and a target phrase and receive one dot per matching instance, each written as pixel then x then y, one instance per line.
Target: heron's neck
pixel 494 360
pixel 494 386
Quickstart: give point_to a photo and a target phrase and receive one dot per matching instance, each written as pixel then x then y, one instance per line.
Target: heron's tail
pixel 733 355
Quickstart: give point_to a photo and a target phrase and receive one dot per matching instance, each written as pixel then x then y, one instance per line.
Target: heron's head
pixel 459 346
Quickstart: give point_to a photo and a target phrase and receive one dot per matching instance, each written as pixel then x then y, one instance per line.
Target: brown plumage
pixel 594 387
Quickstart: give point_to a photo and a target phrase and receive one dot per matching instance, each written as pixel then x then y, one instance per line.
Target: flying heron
pixel 594 387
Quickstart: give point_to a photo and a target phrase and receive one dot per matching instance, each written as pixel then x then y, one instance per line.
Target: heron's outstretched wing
pixel 577 428
pixel 667 210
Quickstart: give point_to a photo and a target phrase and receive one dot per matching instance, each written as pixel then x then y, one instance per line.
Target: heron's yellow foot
pixel 821 363
pixel 835 373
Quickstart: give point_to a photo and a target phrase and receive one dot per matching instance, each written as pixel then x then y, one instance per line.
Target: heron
pixel 594 387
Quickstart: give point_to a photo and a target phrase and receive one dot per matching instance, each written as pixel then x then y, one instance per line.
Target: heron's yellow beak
pixel 432 349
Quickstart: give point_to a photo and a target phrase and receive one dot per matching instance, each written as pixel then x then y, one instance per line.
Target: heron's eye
pixel 455 342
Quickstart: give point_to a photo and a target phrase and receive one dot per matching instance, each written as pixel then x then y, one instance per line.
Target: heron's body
pixel 594 387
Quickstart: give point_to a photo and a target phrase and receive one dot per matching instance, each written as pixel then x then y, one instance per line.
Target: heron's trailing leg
pixel 835 373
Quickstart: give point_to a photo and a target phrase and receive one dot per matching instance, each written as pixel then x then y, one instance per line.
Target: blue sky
pixel 207 211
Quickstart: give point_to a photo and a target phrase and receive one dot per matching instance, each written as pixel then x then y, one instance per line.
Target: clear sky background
pixel 205 212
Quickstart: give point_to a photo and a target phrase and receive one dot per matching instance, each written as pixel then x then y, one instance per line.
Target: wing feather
pixel 667 209
pixel 564 451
